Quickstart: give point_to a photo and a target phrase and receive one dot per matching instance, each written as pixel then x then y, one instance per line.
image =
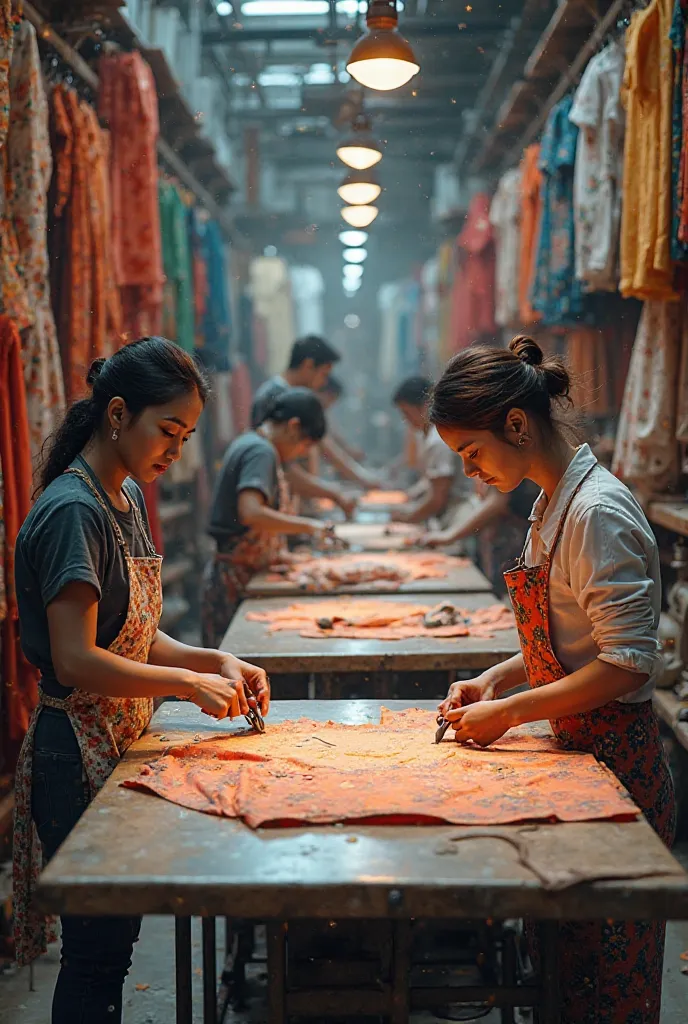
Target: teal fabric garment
pixel 217 323
pixel 679 248
pixel 176 256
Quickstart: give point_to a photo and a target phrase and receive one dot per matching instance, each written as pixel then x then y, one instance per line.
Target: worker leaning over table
pixel 250 518
pixel 586 595
pixel 90 597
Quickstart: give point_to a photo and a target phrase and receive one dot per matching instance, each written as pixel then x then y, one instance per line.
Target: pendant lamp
pixel 359 188
pixel 359 216
pixel 382 59
pixel 359 149
pixel 353 239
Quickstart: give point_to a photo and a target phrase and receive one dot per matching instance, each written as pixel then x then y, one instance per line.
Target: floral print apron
pixel 609 971
pixel 228 574
pixel 105 727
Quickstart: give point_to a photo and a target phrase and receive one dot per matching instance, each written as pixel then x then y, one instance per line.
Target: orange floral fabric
pixel 30 167
pixel 531 204
pixel 372 619
pixel 310 773
pixel 393 569
pixel 129 106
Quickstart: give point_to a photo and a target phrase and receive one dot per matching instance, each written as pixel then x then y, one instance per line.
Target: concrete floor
pixel 153 968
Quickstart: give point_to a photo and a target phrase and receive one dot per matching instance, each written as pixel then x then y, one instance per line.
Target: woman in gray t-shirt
pixel 250 514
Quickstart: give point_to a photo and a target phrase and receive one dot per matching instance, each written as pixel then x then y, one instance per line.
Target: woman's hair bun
pixel 527 350
pixel 94 371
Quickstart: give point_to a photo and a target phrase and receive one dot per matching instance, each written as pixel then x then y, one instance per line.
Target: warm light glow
pixel 353 239
pixel 358 155
pixel 359 193
pixel 355 255
pixel 382 73
pixel 352 273
pixel 360 216
pixel 382 59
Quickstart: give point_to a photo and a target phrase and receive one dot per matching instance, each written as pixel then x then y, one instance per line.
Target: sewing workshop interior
pixel 343 511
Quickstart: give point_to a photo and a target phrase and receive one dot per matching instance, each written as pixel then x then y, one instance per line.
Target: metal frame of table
pixel 458 581
pixel 120 859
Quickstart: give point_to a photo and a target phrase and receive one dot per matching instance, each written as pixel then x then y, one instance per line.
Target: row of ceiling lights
pixel 382 60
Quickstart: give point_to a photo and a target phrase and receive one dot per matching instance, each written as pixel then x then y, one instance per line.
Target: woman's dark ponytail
pixel 148 372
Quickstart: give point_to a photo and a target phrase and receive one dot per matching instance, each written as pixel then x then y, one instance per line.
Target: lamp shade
pixel 353 239
pixel 382 59
pixel 359 149
pixel 355 255
pixel 359 188
pixel 359 216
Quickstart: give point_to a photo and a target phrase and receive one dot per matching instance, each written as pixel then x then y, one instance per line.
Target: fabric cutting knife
pixel 254 717
pixel 442 726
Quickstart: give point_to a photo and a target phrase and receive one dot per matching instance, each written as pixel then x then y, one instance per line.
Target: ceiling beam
pixel 432 28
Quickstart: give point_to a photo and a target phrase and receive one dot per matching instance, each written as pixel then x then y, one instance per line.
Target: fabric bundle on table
pixel 323 574
pixel 314 773
pixel 369 619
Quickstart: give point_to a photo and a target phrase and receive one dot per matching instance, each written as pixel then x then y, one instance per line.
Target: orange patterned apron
pixel 609 971
pixel 104 726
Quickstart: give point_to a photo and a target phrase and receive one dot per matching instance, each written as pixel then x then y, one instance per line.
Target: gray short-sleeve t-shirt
pixel 250 464
pixel 67 538
pixel 264 397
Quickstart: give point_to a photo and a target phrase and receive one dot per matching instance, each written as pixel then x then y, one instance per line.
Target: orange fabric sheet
pixel 308 773
pixel 393 569
pixel 377 619
pixel 384 498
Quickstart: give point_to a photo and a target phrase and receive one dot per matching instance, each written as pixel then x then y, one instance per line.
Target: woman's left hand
pixel 249 680
pixel 483 722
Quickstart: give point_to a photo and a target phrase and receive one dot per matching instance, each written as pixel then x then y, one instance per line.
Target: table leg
pixel 277 972
pixel 182 949
pixel 549 972
pixel 401 972
pixel 209 971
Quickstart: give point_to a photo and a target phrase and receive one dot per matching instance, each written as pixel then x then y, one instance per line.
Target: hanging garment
pixel 217 322
pixel 105 727
pixel 29 167
pixel 71 239
pixel 199 273
pixel 473 296
pixel 556 294
pixel 531 211
pixel 679 123
pixel 598 113
pixel 19 679
pixel 308 288
pixel 127 102
pixel 646 455
pixel 6 43
pixel 682 394
pixel 240 392
pixel 587 359
pixel 178 303
pixel 596 984
pixel 646 269
pixel 273 305
pixel 505 217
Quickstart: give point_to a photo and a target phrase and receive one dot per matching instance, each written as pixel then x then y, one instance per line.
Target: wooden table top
pixel 286 652
pixel 459 580
pixel 133 853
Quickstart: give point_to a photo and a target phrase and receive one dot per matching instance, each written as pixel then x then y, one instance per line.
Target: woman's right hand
pixel 471 692
pixel 435 539
pixel 214 695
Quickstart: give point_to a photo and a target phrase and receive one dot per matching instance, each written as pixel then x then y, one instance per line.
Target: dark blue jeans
pixel 96 951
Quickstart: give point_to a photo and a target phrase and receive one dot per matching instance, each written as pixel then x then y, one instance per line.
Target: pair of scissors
pixel 443 725
pixel 254 717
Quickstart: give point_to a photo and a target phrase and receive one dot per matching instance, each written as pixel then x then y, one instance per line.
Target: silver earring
pixel 115 435
pixel 523 440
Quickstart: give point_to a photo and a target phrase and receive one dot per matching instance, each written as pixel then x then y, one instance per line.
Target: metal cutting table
pixel 332 663
pixel 135 854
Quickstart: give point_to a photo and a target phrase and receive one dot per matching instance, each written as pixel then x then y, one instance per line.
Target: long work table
pixel 132 853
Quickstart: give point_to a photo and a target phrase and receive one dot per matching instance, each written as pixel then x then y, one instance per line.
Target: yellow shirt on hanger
pixel 646 267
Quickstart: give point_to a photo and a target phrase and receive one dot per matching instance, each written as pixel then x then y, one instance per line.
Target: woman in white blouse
pixel 586 594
